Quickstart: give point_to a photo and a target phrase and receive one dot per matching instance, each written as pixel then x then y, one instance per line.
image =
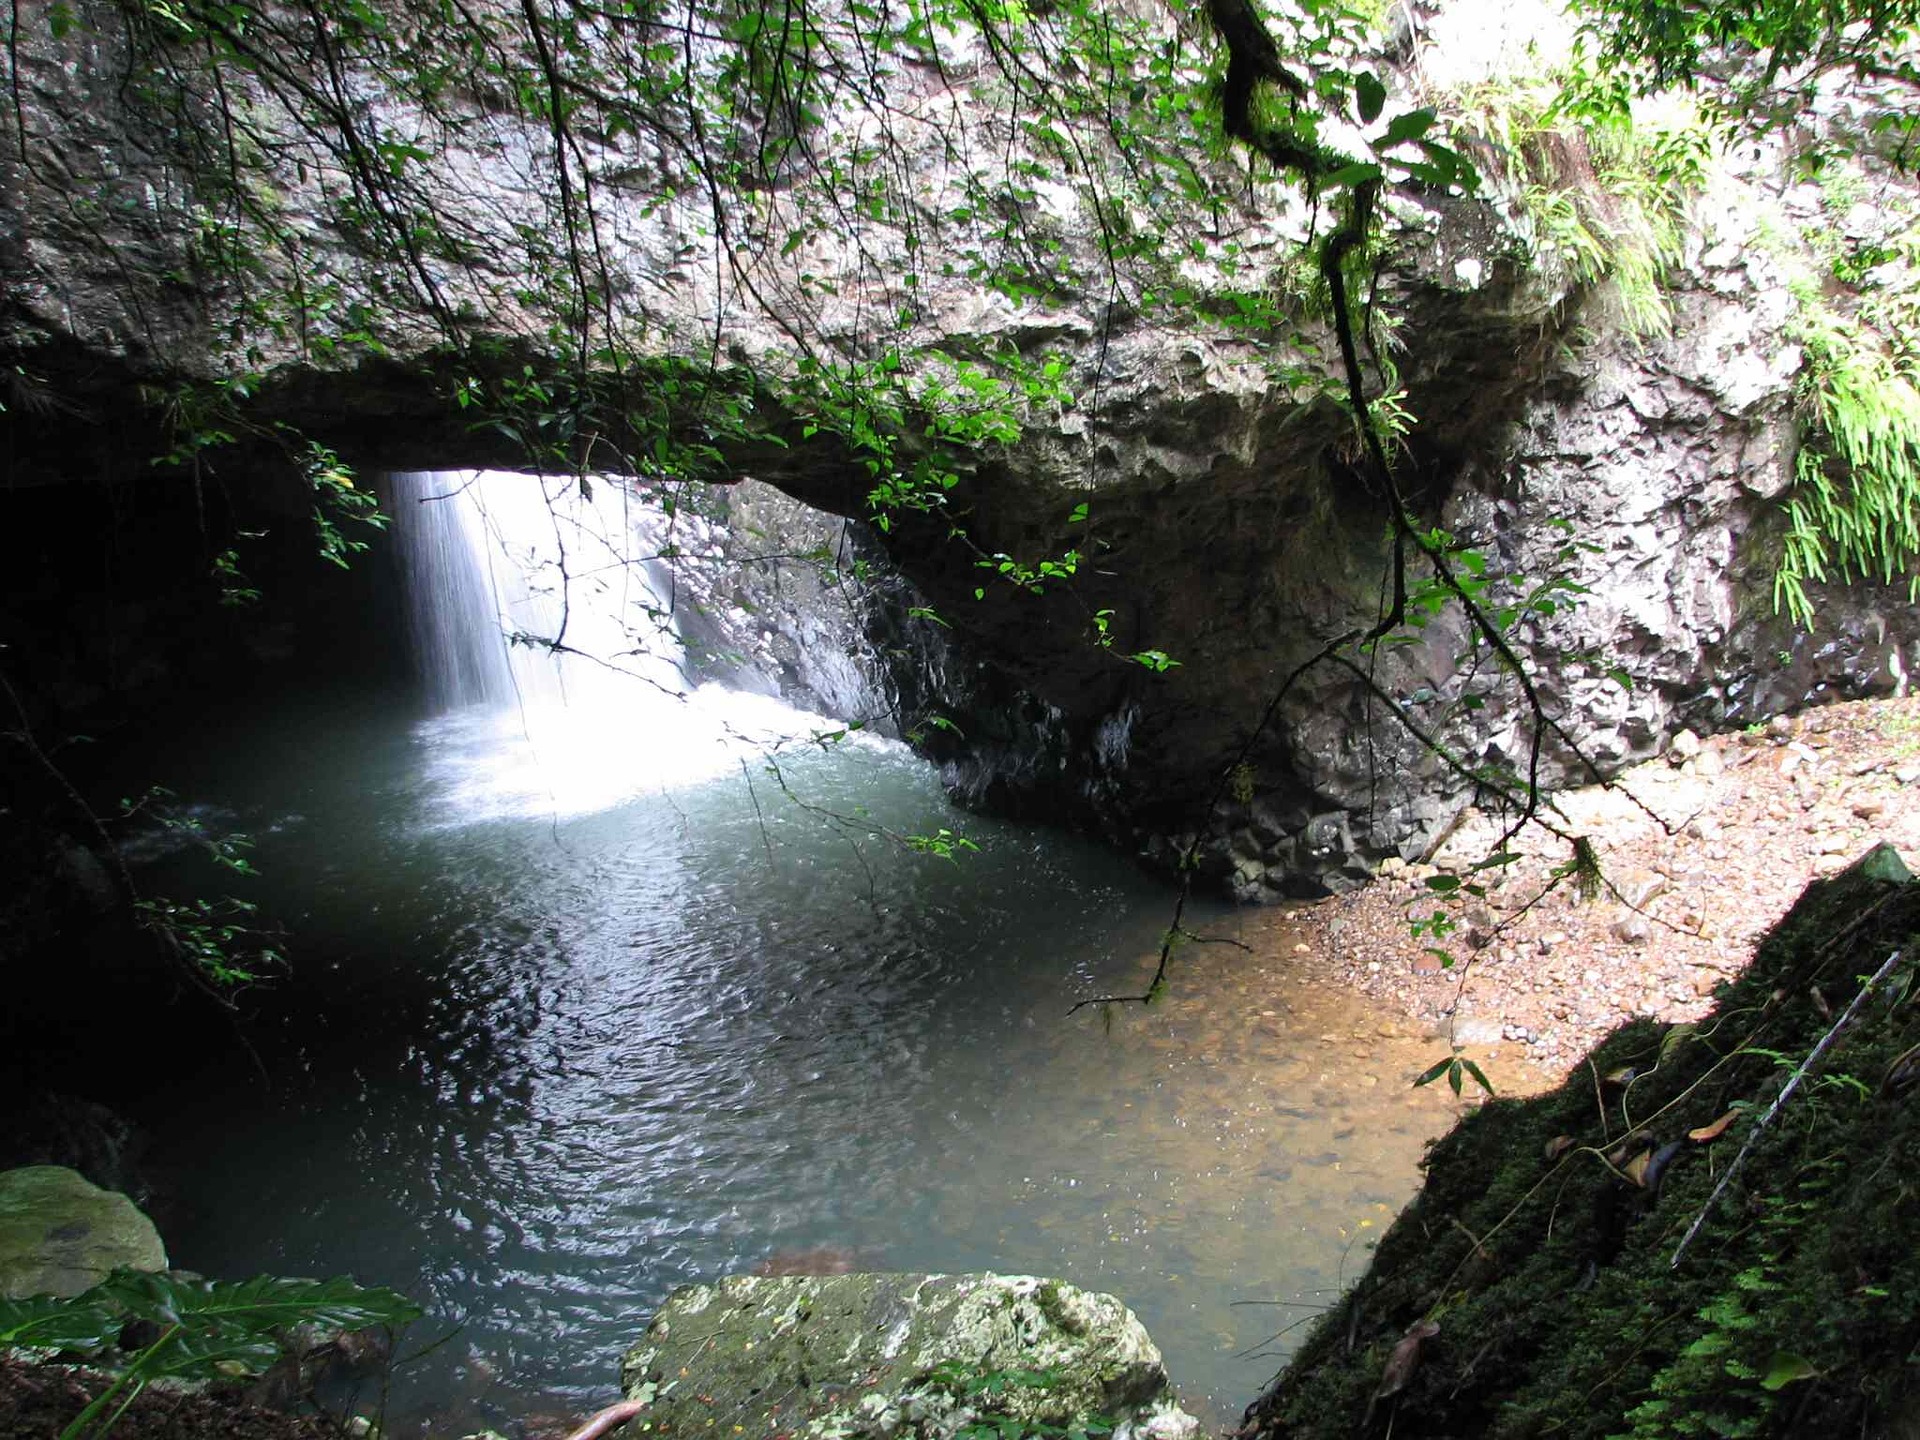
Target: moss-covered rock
pixel 61 1234
pixel 897 1355
pixel 1532 1289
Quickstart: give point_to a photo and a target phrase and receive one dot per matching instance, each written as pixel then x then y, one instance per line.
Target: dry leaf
pixel 1558 1146
pixel 1636 1168
pixel 1715 1130
pixel 1620 1153
pixel 1405 1359
pixel 1623 1076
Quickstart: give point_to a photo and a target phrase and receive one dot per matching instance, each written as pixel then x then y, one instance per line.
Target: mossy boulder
pixel 60 1234
pixel 1576 1267
pixel 897 1355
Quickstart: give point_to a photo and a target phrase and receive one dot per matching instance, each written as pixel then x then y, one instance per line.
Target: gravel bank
pixel 1700 851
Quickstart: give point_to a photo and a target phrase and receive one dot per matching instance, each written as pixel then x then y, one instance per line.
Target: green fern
pixel 1854 510
pixel 1604 198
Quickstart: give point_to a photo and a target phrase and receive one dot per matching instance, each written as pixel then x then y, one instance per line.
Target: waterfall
pixel 547 646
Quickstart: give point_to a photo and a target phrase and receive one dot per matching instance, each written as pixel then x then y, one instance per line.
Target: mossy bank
pixel 1545 1282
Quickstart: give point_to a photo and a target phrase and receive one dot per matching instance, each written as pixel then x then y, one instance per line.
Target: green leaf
pixel 1409 126
pixel 1785 1368
pixel 254 1306
pixel 82 1323
pixel 1352 175
pixel 1372 95
pixel 1435 1071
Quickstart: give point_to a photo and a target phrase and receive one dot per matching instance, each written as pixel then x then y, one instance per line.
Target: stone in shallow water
pixel 872 1355
pixel 61 1234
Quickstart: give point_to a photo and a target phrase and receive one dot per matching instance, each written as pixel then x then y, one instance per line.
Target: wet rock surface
pixel 896 1355
pixel 772 597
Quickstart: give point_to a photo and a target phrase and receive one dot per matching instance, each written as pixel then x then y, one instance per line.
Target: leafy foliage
pixel 985 1394
pixel 206 1330
pixel 1855 505
pixel 214 939
pixel 337 502
pixel 1854 509
pixel 1456 1067
pixel 1659 43
pixel 1604 190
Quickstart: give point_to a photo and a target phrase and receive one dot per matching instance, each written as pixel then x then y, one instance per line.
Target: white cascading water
pixel 550 655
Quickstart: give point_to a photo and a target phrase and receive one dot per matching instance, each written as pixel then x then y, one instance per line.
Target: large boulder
pixel 895 1355
pixel 61 1234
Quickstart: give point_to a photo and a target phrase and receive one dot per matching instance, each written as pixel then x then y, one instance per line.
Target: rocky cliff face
pixel 1200 474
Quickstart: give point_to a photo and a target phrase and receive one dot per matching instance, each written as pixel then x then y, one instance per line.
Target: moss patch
pixel 1541 1248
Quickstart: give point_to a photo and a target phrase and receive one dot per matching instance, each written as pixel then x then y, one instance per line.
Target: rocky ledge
pixel 1115 607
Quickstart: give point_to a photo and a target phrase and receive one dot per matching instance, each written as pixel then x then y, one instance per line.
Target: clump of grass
pixel 1854 508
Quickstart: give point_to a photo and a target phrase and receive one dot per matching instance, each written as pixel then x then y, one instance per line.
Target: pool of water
pixel 537 1062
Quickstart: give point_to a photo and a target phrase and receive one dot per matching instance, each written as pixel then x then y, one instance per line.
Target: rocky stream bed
pixel 1702 851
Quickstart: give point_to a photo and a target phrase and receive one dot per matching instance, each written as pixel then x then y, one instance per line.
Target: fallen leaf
pixel 1623 1076
pixel 1405 1359
pixel 1636 1168
pixel 1715 1130
pixel 1621 1153
pixel 1558 1146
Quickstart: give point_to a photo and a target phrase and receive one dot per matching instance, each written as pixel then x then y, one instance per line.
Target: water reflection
pixel 553 1069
